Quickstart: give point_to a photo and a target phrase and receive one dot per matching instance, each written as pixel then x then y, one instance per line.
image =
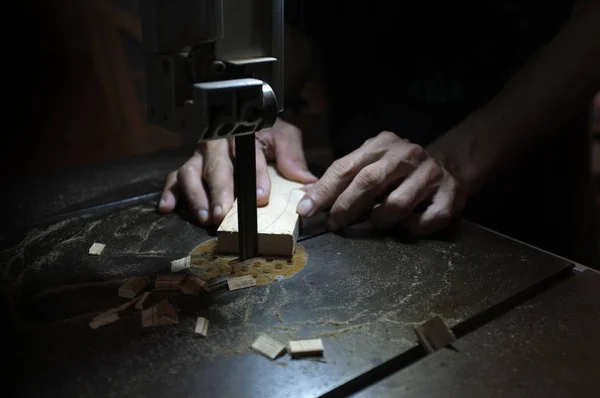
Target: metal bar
pixel 245 186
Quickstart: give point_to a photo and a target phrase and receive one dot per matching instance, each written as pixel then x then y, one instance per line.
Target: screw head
pixel 278 278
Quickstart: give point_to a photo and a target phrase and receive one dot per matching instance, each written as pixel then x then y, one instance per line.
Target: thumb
pixel 289 155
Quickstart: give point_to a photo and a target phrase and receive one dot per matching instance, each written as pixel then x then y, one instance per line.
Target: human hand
pixel 388 176
pixel 206 179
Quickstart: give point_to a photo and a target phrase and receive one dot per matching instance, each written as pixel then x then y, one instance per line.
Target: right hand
pixel 206 179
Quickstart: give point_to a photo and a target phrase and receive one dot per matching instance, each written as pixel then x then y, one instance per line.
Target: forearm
pixel 556 84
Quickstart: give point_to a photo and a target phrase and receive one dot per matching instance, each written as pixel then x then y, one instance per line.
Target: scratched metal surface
pixel 547 347
pixel 362 296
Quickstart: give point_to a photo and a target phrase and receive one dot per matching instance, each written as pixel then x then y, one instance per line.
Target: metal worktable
pixel 363 296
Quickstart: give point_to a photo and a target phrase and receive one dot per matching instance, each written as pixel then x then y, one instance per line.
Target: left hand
pixel 388 176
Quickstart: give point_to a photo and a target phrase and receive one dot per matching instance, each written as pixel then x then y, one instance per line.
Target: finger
pixel 289 155
pixel 401 202
pixel 341 173
pixel 189 177
pixel 168 199
pixel 263 182
pixel 218 173
pixel 438 214
pixel 360 195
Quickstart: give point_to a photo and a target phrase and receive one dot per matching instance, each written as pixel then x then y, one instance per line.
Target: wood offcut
pixel 191 284
pixel 201 326
pixel 96 249
pixel 139 305
pixel 163 313
pixel 278 222
pixel 133 287
pixel 181 264
pixel 241 282
pixel 300 348
pixel 434 334
pixel 268 346
pixel 168 282
pixel 104 319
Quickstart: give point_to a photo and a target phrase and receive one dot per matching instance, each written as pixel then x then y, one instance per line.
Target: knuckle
pixel 414 151
pixel 399 204
pixel 186 171
pixel 443 214
pixel 341 168
pixel 369 177
pixel 387 136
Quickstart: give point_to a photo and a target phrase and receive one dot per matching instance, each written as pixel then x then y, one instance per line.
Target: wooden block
pixel 434 334
pixel 168 282
pixel 241 282
pixel 103 319
pixel 181 264
pixel 142 300
pixel 201 326
pixel 191 284
pixel 96 249
pixel 267 346
pixel 133 287
pixel 163 313
pixel 277 221
pixel 306 348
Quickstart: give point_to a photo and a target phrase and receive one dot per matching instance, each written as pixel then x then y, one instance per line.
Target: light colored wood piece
pixel 191 284
pixel 103 319
pixel 163 313
pixel 181 264
pixel 241 282
pixel 277 221
pixel 96 249
pixel 168 282
pixel 267 346
pixel 201 326
pixel 434 334
pixel 133 287
pixel 142 300
pixel 306 348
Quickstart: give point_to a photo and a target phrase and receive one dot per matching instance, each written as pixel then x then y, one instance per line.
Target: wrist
pixel 457 151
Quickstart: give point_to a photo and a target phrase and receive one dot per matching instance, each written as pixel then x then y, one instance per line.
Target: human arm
pixel 543 96
pixel 546 93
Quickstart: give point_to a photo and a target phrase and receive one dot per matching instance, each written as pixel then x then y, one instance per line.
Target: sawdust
pixel 335 333
pixel 279 317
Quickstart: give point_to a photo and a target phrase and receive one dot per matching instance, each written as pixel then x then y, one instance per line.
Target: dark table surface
pixel 362 296
pixel 548 346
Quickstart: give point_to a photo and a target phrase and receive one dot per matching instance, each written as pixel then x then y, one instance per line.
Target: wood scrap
pixel 123 307
pixel 191 284
pixel 133 287
pixel 163 313
pixel 139 305
pixel 181 264
pixel 268 346
pixel 241 282
pixel 168 282
pixel 104 319
pixel 434 334
pixel 278 222
pixel 96 249
pixel 216 283
pixel 201 326
pixel 313 347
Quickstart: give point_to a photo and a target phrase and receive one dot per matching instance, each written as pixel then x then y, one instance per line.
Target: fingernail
pixel 260 192
pixel 304 207
pixel 217 210
pixel 331 225
pixel 203 215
